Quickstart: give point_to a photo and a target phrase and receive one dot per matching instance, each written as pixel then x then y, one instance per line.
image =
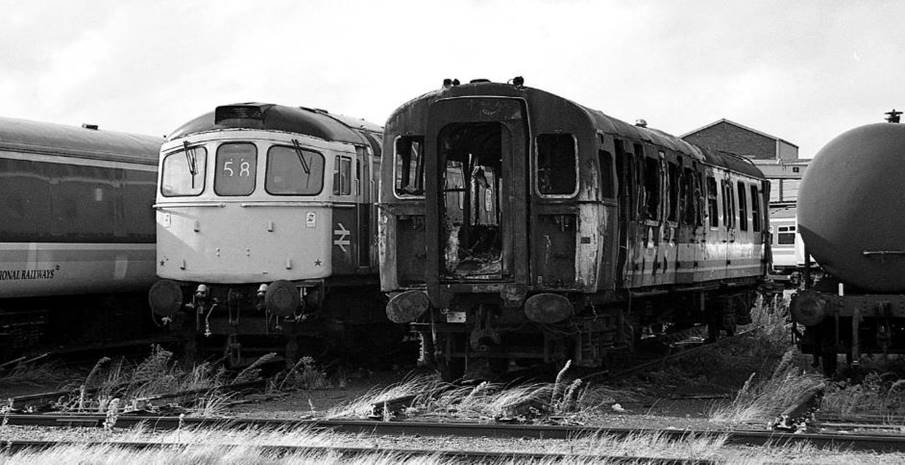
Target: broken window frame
pixel 742 207
pixel 713 206
pixel 403 179
pixel 537 167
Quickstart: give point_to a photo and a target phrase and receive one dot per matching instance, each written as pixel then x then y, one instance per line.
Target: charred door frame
pixel 514 219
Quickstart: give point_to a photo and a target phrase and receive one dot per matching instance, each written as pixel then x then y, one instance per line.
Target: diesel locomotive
pixel 77 236
pixel 516 226
pixel 265 231
pixel 850 217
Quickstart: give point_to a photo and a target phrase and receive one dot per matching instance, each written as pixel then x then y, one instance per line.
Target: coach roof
pixel 18 135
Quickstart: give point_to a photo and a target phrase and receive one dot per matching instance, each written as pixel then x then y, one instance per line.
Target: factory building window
pixel 342 176
pixel 557 156
pixel 742 207
pixel 236 167
pixel 409 167
pixel 294 171
pixel 183 172
pixel 712 208
pixel 755 209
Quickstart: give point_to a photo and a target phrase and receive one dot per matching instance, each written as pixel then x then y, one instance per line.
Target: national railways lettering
pixel 18 275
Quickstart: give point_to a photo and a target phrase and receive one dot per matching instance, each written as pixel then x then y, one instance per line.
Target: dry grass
pixel 128 387
pixel 764 400
pixel 240 447
pixel 877 394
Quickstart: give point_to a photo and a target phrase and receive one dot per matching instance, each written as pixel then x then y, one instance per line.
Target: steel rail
pixel 875 442
pixel 14 446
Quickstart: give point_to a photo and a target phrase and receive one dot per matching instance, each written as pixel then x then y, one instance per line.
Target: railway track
pixel 470 456
pixel 874 442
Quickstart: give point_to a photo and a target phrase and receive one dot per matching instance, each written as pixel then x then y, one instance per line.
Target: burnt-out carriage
pixel 516 225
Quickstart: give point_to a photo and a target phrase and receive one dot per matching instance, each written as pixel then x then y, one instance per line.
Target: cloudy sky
pixel 801 70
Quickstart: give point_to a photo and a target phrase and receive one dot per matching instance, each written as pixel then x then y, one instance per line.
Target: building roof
pixel 742 126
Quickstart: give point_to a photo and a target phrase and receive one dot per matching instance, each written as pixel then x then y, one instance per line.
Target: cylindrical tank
pixel 851 207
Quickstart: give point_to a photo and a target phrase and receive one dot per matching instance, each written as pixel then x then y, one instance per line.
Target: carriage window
pixel 556 161
pixel 755 209
pixel 712 202
pixel 294 171
pixel 235 169
pixel 742 207
pixel 183 172
pixel 651 188
pixel 409 166
pixel 607 188
pixel 728 205
pixel 342 175
pixel 689 203
pixel 786 238
pixel 672 174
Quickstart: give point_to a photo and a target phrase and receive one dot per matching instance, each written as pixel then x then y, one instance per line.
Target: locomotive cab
pixel 255 232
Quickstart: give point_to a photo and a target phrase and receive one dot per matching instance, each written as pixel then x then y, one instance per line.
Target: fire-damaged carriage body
pixel 257 244
pixel 517 225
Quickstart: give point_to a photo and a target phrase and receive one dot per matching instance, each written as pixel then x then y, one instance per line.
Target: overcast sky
pixel 803 71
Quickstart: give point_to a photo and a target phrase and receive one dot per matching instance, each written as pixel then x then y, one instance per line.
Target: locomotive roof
pixel 308 121
pixel 26 136
pixel 598 119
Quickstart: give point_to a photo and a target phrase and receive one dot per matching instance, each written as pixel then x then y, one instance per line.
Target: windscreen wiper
pixel 190 160
pixel 298 151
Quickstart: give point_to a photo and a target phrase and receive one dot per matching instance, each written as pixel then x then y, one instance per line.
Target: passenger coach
pixel 516 225
pixel 77 234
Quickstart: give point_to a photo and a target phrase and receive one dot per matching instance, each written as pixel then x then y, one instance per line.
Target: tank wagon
pixel 518 226
pixel 851 217
pixel 77 236
pixel 258 245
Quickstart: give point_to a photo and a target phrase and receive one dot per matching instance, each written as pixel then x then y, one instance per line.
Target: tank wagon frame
pixel 516 225
pixel 258 246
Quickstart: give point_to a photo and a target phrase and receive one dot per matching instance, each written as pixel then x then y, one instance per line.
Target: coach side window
pixel 672 175
pixel 755 209
pixel 183 172
pixel 652 188
pixel 728 205
pixel 607 180
pixel 712 207
pixel 742 207
pixel 557 156
pixel 409 175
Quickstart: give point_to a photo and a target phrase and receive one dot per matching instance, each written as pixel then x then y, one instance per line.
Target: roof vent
pixel 93 127
pixel 475 81
pixel 641 123
pixel 237 112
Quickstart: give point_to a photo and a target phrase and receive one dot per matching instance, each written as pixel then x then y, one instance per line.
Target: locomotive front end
pixel 252 231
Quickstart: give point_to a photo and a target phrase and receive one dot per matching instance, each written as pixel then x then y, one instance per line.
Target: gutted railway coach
pixel 264 228
pixel 77 236
pixel 517 225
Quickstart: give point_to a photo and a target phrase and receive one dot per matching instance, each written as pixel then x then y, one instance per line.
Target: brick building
pixel 777 158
